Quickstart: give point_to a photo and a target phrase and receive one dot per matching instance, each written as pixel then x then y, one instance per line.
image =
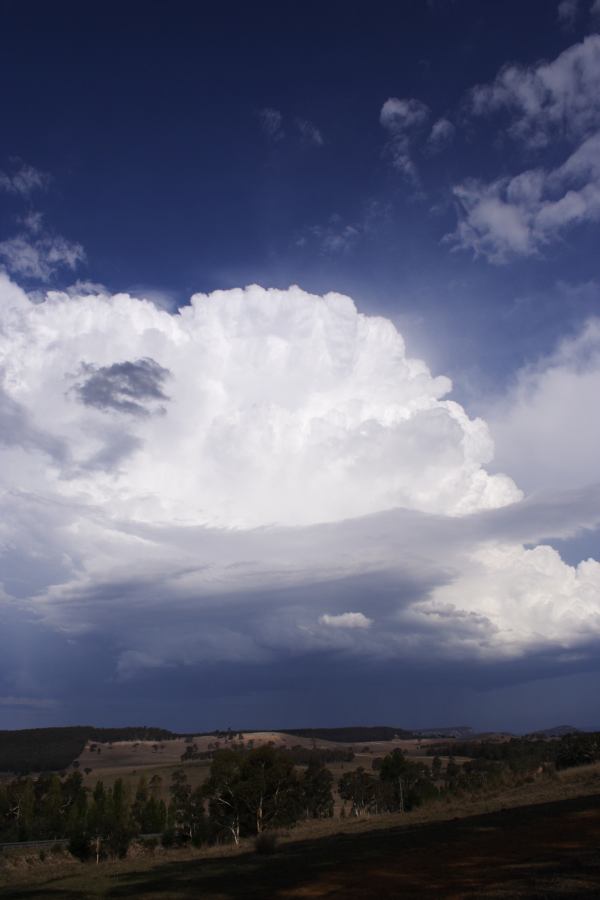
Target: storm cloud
pixel 309 491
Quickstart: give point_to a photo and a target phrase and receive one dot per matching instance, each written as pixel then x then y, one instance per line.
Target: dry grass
pixel 129 760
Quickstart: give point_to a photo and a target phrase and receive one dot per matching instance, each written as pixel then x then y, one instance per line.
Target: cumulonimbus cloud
pixel 228 481
pixel 282 408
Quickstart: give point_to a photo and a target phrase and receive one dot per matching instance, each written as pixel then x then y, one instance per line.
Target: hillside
pixel 54 749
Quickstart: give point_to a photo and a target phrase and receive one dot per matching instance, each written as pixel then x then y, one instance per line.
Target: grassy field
pixel 129 760
pixel 541 839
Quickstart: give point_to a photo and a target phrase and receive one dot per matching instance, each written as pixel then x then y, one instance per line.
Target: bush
pixel 265 842
pixel 79 846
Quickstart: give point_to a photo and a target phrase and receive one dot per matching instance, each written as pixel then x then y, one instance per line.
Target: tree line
pixel 525 754
pixel 247 792
pixel 251 791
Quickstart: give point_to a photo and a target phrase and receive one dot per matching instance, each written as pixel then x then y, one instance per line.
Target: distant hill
pixel 351 734
pixel 51 749
pixel 453 731
pixel 557 731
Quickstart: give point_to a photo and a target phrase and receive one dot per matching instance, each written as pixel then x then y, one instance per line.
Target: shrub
pixel 79 846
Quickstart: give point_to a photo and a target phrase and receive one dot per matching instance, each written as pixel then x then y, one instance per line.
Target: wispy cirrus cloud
pixel 273 126
pixel 567 12
pixel 23 180
pixel 309 132
pixel 441 136
pixel 404 120
pixel 271 121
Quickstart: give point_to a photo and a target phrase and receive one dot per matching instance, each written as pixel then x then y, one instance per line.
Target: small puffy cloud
pixel 23 181
pixel 550 100
pixel 309 132
pixel 346 620
pixel 403 115
pixel 440 136
pixel 271 122
pixel 551 106
pixel 595 9
pixel 520 216
pixel 404 120
pixel 40 257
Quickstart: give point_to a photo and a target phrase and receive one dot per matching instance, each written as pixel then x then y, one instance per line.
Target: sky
pixel 300 364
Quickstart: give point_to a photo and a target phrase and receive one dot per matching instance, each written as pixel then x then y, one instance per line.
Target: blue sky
pixel 170 464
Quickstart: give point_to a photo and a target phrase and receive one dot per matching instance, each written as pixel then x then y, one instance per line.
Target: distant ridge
pixel 557 731
pixel 364 733
pixel 455 731
pixel 351 734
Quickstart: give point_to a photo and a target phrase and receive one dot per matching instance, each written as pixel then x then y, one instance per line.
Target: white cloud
pixel 521 215
pixel 551 102
pixel 41 257
pixel 199 486
pixel 511 598
pixel 440 136
pixel 545 429
pixel 346 620
pixel 283 407
pixel 404 120
pixel 23 180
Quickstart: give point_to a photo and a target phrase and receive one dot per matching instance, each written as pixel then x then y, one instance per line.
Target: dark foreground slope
pixel 546 850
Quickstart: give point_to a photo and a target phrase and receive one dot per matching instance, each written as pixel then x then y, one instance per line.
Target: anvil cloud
pixel 264 473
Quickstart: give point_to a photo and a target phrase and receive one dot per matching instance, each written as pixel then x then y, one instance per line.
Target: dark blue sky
pixel 147 117
pixel 436 161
